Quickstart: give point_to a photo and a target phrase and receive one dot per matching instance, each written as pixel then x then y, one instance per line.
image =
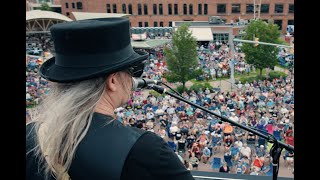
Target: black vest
pixel 103 151
pixel 100 155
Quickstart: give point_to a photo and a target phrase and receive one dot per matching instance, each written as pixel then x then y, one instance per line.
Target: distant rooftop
pixel 205 23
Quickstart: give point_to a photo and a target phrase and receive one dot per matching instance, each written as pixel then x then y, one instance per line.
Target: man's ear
pixel 112 82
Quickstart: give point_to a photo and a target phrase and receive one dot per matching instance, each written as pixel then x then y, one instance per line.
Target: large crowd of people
pixel 196 136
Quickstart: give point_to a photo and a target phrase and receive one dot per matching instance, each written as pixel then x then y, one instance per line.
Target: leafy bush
pixel 155 93
pixel 276 74
pixel 180 89
pixel 251 79
pixel 196 86
pixel 207 85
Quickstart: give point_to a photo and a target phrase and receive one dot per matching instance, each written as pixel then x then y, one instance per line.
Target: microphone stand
pixel 276 149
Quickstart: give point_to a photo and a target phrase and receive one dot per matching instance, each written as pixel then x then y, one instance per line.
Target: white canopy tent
pixel 202 33
pixel 38 21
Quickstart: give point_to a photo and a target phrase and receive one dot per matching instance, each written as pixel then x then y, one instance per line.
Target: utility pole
pixel 231 62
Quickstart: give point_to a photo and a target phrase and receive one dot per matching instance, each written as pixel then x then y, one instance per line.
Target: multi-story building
pixel 35 4
pixel 152 13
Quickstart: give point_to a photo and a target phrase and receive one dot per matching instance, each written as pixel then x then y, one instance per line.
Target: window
pixel 160 9
pixel 221 8
pixel 145 8
pixel 235 8
pixel 155 24
pixel 170 9
pixel 199 9
pixel 108 8
pixel 139 9
pixel 68 14
pixel 67 5
pixel 190 9
pixel 290 22
pixel 223 38
pixel 184 9
pixel 146 24
pixel 264 8
pixel 278 8
pixel 176 9
pixel 249 8
pixel 170 23
pixel 161 23
pixel 124 8
pixel 205 11
pixel 291 8
pixel 130 9
pixel 114 8
pixel 155 9
pixel 140 24
pixel 79 5
pixel 73 6
pixel 279 23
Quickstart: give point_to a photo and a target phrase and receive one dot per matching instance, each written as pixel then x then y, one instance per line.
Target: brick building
pixel 149 13
pixel 35 5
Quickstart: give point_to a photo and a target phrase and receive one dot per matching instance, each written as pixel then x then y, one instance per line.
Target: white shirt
pixel 171 110
pixel 246 151
pixel 239 144
pixel 234 118
pixel 159 111
pixel 150 115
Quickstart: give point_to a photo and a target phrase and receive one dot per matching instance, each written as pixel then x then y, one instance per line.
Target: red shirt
pixel 290 140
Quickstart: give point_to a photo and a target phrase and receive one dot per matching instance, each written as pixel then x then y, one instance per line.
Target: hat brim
pixel 52 72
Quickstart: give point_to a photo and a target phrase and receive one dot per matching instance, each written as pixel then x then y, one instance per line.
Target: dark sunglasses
pixel 136 69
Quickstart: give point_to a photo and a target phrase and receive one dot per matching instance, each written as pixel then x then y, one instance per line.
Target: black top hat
pixel 90 48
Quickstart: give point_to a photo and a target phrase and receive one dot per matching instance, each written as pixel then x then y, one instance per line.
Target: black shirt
pixel 223 170
pixel 149 158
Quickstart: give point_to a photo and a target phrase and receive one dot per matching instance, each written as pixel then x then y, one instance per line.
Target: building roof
pixel 206 24
pixel 150 43
pixel 39 14
pixel 90 15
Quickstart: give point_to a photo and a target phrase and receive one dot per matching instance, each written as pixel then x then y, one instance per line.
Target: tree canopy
pixel 261 56
pixel 181 57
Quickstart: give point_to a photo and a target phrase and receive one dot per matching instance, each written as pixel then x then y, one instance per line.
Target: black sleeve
pixel 152 158
pixel 34 168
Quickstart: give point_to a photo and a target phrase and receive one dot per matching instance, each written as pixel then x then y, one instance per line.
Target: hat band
pixel 94 60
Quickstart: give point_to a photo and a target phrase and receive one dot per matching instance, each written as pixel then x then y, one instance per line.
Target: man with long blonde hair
pixel 73 133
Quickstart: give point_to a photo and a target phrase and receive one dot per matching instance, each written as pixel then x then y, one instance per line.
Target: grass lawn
pixel 210 80
pixel 251 74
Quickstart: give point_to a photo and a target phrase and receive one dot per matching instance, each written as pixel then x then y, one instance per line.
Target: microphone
pixel 140 83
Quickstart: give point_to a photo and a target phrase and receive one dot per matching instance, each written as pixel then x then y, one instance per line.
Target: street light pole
pixel 231 64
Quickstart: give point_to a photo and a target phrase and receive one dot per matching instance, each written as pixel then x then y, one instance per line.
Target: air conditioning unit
pixel 215 20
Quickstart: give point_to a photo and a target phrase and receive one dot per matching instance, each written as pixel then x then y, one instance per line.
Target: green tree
pixel 181 56
pixel 45 7
pixel 261 56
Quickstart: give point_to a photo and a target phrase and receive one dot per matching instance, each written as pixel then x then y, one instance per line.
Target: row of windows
pixel 221 8
pixel 158 9
pixel 235 8
pixel 79 5
pixel 155 24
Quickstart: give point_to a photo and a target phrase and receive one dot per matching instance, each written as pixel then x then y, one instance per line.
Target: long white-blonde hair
pixel 64 116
